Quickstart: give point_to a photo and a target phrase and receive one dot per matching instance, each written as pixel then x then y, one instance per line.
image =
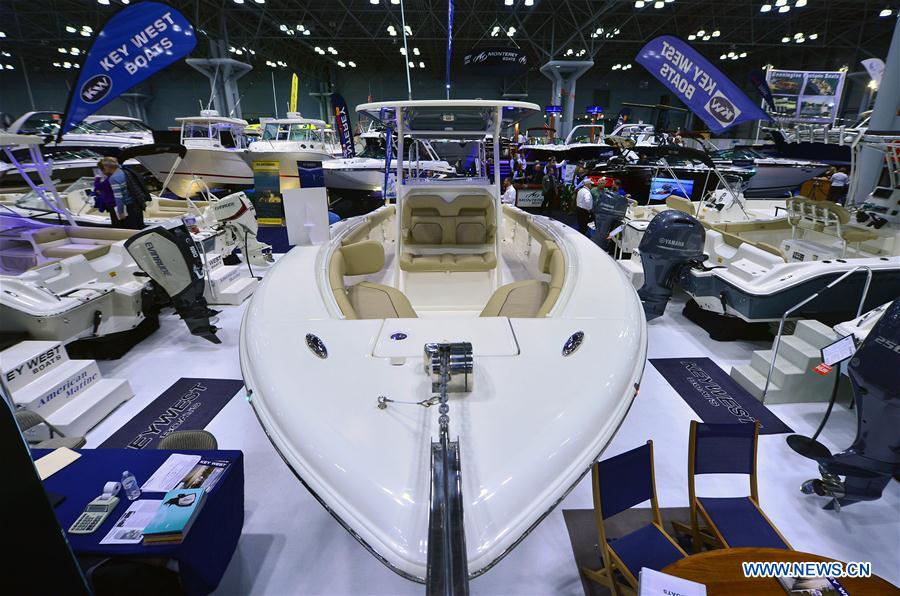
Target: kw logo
pixel 721 108
pixel 96 88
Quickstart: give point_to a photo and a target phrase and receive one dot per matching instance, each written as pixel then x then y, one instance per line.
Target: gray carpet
pixel 583 535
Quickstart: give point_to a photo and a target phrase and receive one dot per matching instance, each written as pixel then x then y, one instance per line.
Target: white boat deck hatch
pixel 406 338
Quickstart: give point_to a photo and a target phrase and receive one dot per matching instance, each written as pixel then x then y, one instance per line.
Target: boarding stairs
pixel 793 378
pixel 71 395
pixel 227 284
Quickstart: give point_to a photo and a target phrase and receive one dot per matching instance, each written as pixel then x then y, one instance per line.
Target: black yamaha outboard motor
pixel 874 457
pixel 609 209
pixel 672 241
pixel 170 258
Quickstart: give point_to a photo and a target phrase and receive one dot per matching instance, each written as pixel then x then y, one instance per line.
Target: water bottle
pixel 130 486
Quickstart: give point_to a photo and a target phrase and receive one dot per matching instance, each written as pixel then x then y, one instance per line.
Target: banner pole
pixel 274 96
pixel 405 51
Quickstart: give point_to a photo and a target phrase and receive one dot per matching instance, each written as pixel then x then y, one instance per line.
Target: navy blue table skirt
pixel 204 554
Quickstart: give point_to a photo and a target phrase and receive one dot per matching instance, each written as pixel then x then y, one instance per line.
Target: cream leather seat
pixel 365 300
pixel 531 298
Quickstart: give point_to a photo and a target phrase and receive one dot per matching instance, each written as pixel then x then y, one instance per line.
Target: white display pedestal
pixel 306 216
pixel 71 395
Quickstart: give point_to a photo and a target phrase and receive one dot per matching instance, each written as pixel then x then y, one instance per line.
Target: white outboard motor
pixel 672 241
pixel 237 216
pixel 170 258
pixel 609 209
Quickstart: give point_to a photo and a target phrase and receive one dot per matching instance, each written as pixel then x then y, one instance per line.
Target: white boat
pixel 215 147
pixel 365 172
pixel 774 176
pixel 760 270
pixel 334 340
pixel 103 134
pixel 289 140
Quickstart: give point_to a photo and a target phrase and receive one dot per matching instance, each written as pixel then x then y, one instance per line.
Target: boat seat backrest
pixel 680 204
pixel 466 220
pixel 365 300
pixel 372 221
pixel 531 298
pixel 50 234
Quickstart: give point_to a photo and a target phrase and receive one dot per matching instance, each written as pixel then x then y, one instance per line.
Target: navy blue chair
pixel 728 522
pixel 620 483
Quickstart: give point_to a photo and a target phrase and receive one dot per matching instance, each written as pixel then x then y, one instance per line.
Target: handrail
pixel 807 300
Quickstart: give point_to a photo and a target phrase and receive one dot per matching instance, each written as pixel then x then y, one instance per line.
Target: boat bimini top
pixel 402 368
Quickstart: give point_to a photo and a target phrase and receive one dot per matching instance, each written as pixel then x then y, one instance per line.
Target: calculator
pixel 93 515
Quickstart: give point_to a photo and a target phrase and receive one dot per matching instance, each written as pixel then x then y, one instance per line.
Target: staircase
pixel 71 395
pixel 793 379
pixel 227 284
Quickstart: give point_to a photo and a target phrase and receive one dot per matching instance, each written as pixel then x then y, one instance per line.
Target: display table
pixel 721 572
pixel 204 554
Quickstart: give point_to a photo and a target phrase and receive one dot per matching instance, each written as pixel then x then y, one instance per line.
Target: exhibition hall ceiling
pixel 367 34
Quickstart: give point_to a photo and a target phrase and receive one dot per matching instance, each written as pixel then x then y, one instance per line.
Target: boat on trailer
pixel 400 367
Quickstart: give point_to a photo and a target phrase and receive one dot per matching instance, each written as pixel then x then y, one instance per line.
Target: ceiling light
pixel 785 39
pixel 658 4
pixel 74 51
pixel 780 2
pixel 260 1
pixel 800 3
pixel 701 33
pixel 306 32
pixel 85 33
pixel 352 64
pixel 416 51
pixel 238 1
pixel 69 28
pixel 529 2
pixel 639 3
pixel 331 50
pixel 67 65
pixel 61 50
pixel 7 54
pixel 511 31
pixel 403 51
pixel 743 54
pixel 814 36
pixel 800 40
pixel 341 63
pixel 421 65
pixel 408 29
pixel 412 64
pixel 716 33
pixel 692 37
pixel 283 27
pixel 508 2
pixel 376 2
pixel 87 28
pixel 722 57
pixel 784 9
pixel 706 38
pixel 103 2
pixel 796 35
pixel 395 1
pixel 885 12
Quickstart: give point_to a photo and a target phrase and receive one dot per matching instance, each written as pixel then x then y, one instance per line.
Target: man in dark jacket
pixel 548 184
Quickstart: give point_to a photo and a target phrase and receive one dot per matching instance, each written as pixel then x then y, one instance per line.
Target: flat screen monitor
pixel 663 188
pixel 838 351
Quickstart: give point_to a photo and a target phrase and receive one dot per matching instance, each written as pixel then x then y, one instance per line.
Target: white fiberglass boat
pixel 489 299
pixel 289 140
pixel 365 172
pixel 100 133
pixel 215 147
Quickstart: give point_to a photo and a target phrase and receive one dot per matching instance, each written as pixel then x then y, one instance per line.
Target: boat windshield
pixel 275 131
pixel 736 153
pixel 374 149
pixel 31 200
pixel 586 134
pixel 41 124
pixel 116 126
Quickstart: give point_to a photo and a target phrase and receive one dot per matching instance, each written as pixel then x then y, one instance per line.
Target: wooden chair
pixel 620 483
pixel 728 522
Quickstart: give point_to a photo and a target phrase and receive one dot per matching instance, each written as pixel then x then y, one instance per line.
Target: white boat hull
pixel 216 167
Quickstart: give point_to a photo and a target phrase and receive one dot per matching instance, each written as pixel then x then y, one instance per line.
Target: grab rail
pixel 807 300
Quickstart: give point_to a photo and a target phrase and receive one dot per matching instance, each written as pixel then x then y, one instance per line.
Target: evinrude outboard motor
pixel 673 240
pixel 237 216
pixel 170 258
pixel 609 209
pixel 874 457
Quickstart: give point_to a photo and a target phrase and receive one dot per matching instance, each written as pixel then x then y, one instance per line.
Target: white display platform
pixel 227 284
pixel 71 395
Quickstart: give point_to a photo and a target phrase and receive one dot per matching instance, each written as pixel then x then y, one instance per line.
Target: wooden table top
pixel 721 572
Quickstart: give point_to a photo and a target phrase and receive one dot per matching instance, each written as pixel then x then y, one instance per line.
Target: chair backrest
pixel 723 448
pixel 626 480
pixel 199 440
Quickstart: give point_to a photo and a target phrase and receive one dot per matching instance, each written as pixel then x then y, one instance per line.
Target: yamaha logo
pixel 96 88
pixel 722 109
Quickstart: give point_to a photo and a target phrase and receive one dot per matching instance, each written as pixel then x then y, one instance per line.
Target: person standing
pixel 537 174
pixel 839 184
pixel 129 204
pixel 104 199
pixel 509 193
pixel 548 188
pixel 518 174
pixel 584 206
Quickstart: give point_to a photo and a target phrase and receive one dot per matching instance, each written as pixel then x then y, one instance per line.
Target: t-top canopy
pixel 447 118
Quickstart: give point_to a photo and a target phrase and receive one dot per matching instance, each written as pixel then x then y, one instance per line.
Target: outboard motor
pixel 609 209
pixel 673 240
pixel 170 258
pixel 874 457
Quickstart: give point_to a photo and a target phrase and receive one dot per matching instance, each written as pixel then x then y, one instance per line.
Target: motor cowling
pixel 609 209
pixel 170 258
pixel 672 241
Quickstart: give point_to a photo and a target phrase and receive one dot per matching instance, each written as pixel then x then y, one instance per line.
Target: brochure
pixel 204 475
pixel 175 516
pixel 168 475
pixel 656 583
pixel 813 586
pixel 130 527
